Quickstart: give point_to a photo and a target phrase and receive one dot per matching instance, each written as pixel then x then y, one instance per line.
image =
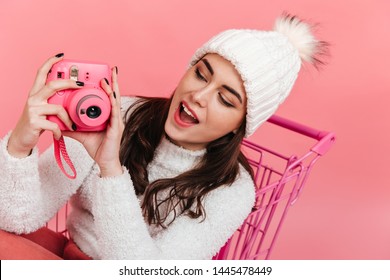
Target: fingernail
pixel 74 127
pixel 114 94
pixel 107 81
pixel 60 55
pixel 80 84
pixel 116 70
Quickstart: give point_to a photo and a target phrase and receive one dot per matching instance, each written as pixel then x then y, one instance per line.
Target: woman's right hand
pixel 33 120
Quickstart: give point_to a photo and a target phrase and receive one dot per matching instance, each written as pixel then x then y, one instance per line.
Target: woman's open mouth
pixel 184 116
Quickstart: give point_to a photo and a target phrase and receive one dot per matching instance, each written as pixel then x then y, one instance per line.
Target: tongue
pixel 186 118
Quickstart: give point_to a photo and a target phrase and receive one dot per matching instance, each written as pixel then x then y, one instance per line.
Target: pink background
pixel 344 212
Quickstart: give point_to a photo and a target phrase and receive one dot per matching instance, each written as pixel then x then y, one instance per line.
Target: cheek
pixel 225 120
pixel 189 83
pixel 177 97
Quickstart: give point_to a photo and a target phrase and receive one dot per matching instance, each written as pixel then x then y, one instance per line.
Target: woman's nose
pixel 201 96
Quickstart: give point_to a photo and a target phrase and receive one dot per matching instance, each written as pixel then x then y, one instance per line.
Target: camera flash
pixel 74 73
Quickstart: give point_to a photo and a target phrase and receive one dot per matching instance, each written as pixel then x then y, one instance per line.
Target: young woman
pixel 166 179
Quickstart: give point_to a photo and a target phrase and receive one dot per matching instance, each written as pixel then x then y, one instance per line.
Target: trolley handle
pixel 297 127
pixel 325 139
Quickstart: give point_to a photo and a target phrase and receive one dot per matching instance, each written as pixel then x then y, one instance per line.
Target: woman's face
pixel 208 103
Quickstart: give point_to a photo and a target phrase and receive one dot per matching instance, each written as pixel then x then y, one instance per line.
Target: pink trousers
pixel 44 244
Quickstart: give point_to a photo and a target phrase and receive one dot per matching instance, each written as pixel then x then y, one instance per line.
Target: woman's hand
pixel 104 146
pixel 33 120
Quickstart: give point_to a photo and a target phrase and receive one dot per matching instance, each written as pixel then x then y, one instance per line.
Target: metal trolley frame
pixel 279 180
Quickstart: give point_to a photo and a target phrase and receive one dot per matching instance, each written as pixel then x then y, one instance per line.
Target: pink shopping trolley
pixel 279 176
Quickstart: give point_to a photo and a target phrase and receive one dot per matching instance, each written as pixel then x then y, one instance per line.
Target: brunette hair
pixel 218 167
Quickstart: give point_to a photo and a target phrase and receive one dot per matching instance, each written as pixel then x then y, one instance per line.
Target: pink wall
pixel 344 211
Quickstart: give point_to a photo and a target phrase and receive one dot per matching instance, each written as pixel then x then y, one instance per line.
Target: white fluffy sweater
pixel 106 221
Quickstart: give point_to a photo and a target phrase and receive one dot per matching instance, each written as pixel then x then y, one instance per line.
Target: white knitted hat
pixel 268 62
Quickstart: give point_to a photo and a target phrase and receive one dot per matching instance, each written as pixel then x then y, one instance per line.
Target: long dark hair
pixel 219 166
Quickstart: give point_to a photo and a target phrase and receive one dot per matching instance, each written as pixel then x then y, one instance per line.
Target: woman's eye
pixel 199 75
pixel 223 100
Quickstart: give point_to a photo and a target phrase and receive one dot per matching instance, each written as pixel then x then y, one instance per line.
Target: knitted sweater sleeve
pixel 123 233
pixel 33 189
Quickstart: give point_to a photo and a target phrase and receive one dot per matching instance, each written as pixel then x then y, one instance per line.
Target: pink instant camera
pixel 88 107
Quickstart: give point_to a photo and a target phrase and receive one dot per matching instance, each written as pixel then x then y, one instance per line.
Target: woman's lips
pixel 189 111
pixel 184 116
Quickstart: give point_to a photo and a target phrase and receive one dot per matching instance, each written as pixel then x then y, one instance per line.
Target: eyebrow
pixel 235 93
pixel 207 63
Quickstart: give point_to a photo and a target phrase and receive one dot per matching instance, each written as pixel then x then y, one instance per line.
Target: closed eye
pixel 199 75
pixel 223 100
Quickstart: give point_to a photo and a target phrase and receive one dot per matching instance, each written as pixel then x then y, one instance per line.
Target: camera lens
pixel 93 112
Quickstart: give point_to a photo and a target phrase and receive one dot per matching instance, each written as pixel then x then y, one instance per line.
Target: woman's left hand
pixel 103 146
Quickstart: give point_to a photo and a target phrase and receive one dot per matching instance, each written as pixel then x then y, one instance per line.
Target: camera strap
pixel 60 149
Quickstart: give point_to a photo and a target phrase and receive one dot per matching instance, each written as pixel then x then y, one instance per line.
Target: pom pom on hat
pixel 300 35
pixel 268 62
